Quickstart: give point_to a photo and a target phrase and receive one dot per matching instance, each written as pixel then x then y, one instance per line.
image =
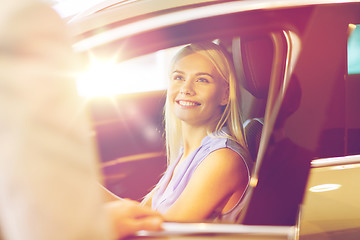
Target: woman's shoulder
pixel 222 146
pixel 225 153
pixel 215 142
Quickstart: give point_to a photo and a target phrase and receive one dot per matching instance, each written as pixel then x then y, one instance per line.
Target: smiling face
pixel 196 91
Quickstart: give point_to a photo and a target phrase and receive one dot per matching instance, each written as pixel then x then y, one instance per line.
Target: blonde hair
pixel 230 117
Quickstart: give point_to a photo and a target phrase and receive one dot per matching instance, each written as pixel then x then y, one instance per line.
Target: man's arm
pixel 48 167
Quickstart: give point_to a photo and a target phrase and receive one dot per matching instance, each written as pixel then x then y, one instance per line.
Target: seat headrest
pixel 253 58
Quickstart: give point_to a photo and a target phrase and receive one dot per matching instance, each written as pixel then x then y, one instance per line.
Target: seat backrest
pixel 253 130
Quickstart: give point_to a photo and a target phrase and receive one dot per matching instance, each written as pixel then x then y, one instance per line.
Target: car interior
pixel 129 127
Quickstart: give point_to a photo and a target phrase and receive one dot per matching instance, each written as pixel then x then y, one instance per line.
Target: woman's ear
pixel 225 98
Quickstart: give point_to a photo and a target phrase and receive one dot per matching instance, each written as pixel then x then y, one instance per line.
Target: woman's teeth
pixel 186 103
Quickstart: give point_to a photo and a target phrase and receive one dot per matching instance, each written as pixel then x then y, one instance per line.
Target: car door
pixel 304 103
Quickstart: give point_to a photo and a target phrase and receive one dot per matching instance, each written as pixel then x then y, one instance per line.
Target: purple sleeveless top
pixel 168 191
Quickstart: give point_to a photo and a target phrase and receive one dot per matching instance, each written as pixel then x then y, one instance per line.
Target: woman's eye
pixel 202 80
pixel 177 77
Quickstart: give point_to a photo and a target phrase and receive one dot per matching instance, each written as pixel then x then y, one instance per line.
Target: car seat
pixel 253 130
pixel 253 58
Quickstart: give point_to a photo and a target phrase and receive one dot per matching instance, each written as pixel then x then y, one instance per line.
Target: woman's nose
pixel 187 88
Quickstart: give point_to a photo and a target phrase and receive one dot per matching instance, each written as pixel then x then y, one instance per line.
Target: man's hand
pixel 128 217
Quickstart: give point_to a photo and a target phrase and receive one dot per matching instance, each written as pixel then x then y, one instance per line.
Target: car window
pixel 353 49
pixel 107 77
pixel 352 135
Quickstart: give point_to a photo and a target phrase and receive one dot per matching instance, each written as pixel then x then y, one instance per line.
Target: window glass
pixel 352 92
pixel 354 50
pixel 142 74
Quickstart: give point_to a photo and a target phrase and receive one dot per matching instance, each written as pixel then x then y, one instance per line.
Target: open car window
pixel 129 124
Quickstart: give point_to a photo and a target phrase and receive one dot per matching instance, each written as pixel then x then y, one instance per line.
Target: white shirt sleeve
pixel 48 163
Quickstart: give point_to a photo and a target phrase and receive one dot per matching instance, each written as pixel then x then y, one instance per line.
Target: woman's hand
pixel 127 217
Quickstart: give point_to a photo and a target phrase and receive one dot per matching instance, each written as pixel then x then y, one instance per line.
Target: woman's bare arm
pixel 221 174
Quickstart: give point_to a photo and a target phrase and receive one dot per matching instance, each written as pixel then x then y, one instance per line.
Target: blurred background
pixel 68 8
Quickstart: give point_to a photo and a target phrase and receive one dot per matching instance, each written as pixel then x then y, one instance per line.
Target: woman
pixel 208 161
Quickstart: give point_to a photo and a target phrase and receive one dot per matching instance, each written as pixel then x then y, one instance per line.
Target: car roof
pixel 107 12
